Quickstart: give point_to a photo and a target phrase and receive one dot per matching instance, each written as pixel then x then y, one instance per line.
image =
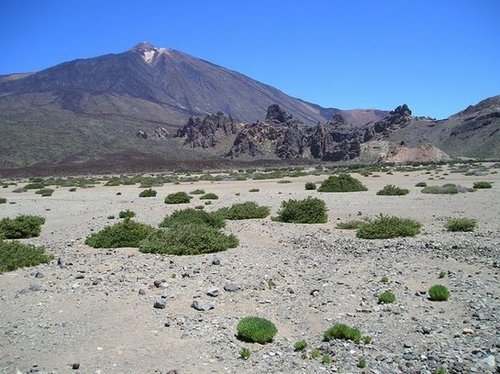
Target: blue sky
pixel 437 56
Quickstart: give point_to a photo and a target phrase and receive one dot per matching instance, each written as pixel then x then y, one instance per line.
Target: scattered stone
pixel 467 331
pixel 160 303
pixel 231 287
pixel 214 292
pixel 215 260
pixel 142 291
pixel 75 366
pixel 38 275
pixel 202 306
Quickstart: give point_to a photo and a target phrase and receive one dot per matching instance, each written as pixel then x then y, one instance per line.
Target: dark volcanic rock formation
pixel 207 132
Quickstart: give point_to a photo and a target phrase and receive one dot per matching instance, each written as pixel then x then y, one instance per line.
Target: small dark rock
pixel 160 303
pixel 215 260
pixel 231 287
pixel 142 291
pixel 75 366
pixel 202 306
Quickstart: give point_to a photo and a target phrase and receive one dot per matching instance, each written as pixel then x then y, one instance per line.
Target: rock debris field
pixel 122 311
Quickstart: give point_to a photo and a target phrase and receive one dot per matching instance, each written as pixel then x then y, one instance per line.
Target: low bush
pixel 177 198
pixel 209 196
pixel 300 345
pixel 34 186
pixel 342 332
pixel 15 255
pixel 361 363
pixel 391 190
pixel 19 190
pixel 461 224
pixel 385 227
pixel 127 214
pixel 341 183
pixel 421 184
pixel 439 293
pixel 72 189
pixel 447 189
pixel 193 216
pixel 245 353
pixel 386 297
pixel 442 274
pixel 190 239
pixel 254 190
pixel 147 193
pixel 256 330
pixel 3 200
pixel 482 184
pixel 197 192
pixel 21 227
pixel 351 225
pixel 45 192
pixel 326 360
pixel 127 233
pixel 310 186
pixel 247 210
pixel 310 210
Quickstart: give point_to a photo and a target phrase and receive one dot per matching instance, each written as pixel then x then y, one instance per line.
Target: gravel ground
pixel 94 314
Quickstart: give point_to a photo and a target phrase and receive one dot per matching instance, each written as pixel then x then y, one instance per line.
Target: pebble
pixel 214 292
pixel 202 306
pixel 160 303
pixel 231 287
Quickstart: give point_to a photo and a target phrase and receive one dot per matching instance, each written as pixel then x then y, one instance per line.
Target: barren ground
pixel 90 311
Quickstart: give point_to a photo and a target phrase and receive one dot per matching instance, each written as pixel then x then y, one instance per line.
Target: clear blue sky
pixel 437 56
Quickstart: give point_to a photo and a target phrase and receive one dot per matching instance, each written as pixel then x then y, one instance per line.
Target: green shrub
pixel 391 190
pixel 310 186
pixel 190 239
pixel 386 297
pixel 385 279
pixel 3 200
pixel 72 189
pixel 421 184
pixel 300 345
pixel 385 227
pixel 208 202
pixel 45 192
pixel 15 255
pixel 442 274
pixel 361 363
pixel 127 214
pixel 21 227
pixel 441 371
pixel 193 216
pixel 343 332
pixel 197 192
pixel 199 207
pixel 147 193
pixel 256 330
pixel 254 190
pixel 177 198
pixel 367 339
pixel 449 189
pixel 482 184
pixel 127 233
pixel 315 353
pixel 209 196
pixel 341 183
pixel 327 359
pixel 34 186
pixel 310 210
pixel 245 353
pixel 438 293
pixel 247 210
pixel 350 225
pixel 19 190
pixel 461 224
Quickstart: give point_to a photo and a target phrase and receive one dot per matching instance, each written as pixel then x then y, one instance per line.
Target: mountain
pixel 154 108
pixel 89 109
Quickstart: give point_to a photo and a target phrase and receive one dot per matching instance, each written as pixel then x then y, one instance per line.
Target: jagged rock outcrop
pixel 207 132
pixel 159 132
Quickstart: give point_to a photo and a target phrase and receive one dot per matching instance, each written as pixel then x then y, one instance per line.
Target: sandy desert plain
pixel 95 313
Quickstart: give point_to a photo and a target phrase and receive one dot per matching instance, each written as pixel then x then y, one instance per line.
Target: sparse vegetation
pixel 177 198
pixel 361 363
pixel 367 339
pixel 310 186
pixel 449 189
pixel 350 225
pixel 190 239
pixel 247 210
pixel 386 297
pixel 391 190
pixel 209 196
pixel 127 233
pixel 21 227
pixel 439 293
pixel 327 359
pixel 197 192
pixel 300 345
pixel 310 210
pixel 245 353
pixel 315 353
pixel 385 227
pixel 461 224
pixel 193 216
pixel 254 190
pixel 421 184
pixel 385 279
pixel 15 255
pixel 34 186
pixel 482 184
pixel 127 214
pixel 45 192
pixel 442 274
pixel 343 332
pixel 256 330
pixel 341 183
pixel 3 200
pixel 148 193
